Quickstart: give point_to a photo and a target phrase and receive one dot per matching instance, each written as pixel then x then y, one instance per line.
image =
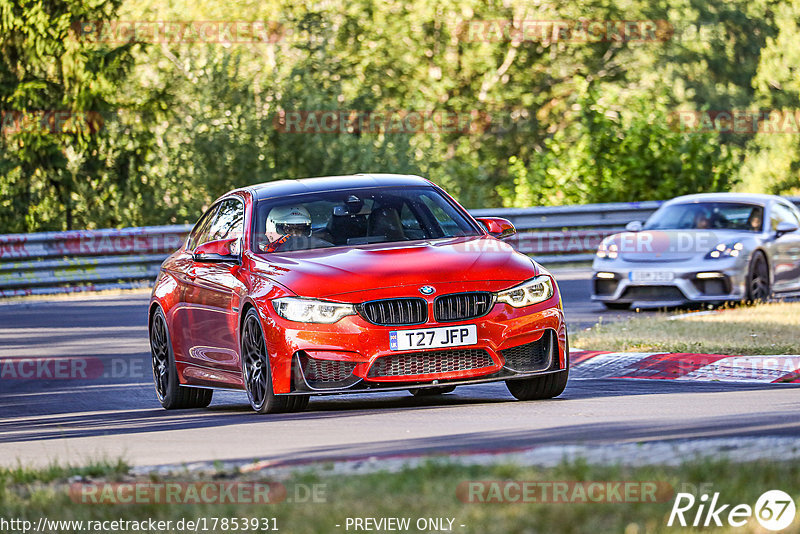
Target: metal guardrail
pixel 65 262
pixel 585 215
pixel 566 234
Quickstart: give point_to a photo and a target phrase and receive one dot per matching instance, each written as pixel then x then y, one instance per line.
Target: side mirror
pixel 220 251
pixel 785 227
pixel 498 227
pixel 634 226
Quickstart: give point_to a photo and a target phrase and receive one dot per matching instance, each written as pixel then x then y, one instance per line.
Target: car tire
pixel 257 374
pixel 617 305
pixel 540 387
pixel 170 393
pixel 430 392
pixel 758 285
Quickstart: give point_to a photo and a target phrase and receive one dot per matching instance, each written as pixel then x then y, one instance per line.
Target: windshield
pixel 356 217
pixel 708 216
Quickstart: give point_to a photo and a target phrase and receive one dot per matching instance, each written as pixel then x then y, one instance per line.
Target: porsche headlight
pixel 534 290
pixel 725 250
pixel 608 250
pixel 302 310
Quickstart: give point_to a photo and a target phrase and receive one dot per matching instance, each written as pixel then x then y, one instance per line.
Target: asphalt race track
pixel 110 409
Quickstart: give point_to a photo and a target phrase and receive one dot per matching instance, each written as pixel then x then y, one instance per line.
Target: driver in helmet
pixel 289 228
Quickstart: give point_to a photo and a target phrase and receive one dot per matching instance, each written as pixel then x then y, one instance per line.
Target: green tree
pixel 772 163
pixel 615 153
pixel 67 157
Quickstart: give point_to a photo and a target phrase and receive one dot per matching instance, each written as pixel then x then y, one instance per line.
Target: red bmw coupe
pixel 351 284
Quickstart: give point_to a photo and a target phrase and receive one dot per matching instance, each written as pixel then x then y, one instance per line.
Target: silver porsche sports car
pixel 712 247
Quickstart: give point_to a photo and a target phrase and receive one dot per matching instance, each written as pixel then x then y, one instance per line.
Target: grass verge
pixel 107 469
pixel 741 330
pixel 431 491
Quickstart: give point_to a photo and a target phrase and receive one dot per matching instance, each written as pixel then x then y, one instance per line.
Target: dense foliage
pixel 158 127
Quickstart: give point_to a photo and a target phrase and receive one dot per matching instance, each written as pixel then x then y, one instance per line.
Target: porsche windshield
pixel 708 216
pixel 356 217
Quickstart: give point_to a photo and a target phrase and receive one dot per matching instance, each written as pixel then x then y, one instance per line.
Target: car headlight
pixel 725 250
pixel 534 290
pixel 304 310
pixel 610 251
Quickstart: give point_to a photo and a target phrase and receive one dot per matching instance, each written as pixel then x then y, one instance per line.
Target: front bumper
pixel 679 283
pixel 354 355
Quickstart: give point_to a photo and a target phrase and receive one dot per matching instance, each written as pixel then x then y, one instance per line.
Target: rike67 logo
pixel 774 510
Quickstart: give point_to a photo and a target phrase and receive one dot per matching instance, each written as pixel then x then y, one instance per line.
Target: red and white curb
pixel 685 366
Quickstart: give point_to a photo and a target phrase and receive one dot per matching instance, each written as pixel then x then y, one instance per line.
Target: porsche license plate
pixel 430 338
pixel 652 276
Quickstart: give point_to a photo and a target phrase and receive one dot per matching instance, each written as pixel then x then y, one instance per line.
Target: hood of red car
pixel 337 271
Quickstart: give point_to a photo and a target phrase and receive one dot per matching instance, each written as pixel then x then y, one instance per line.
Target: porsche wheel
pixel 171 394
pixel 758 286
pixel 257 374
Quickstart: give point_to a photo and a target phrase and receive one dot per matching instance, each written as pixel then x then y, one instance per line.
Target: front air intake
pixel 317 374
pixel 433 362
pixel 532 357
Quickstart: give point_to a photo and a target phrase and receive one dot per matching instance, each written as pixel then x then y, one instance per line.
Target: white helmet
pixel 295 220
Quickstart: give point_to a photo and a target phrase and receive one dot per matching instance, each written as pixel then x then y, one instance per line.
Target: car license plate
pixel 652 276
pixel 429 338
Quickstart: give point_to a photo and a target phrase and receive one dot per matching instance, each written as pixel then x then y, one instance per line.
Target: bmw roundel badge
pixel 427 290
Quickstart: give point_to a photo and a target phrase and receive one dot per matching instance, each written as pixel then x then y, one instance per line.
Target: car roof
pixel 749 198
pixel 280 188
